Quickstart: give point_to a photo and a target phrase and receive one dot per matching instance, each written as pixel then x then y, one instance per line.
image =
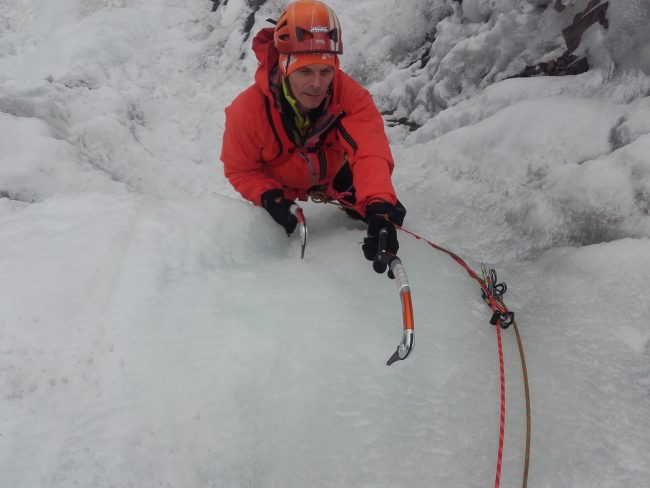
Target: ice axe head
pixel 302 226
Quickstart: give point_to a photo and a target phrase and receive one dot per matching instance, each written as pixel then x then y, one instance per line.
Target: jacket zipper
pixel 346 135
pixel 322 160
pixel 310 166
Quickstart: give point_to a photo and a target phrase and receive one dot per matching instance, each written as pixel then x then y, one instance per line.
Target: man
pixel 306 128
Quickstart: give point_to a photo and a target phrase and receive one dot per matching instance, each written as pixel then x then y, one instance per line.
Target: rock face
pixel 568 63
pixel 454 49
pixel 596 12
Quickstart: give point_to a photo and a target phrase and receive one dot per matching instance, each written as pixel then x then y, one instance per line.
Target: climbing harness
pixel 328 195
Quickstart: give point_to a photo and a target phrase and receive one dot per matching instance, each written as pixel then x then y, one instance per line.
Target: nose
pixel 318 80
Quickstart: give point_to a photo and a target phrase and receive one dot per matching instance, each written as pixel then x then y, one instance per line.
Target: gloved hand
pixel 278 206
pixel 380 216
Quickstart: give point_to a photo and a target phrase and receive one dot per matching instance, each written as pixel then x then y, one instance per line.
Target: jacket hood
pixel 267 58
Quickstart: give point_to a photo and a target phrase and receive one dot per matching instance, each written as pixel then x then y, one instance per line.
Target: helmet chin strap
pixel 285 68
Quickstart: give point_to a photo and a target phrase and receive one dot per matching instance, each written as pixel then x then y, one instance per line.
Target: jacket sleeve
pixel 363 136
pixel 240 154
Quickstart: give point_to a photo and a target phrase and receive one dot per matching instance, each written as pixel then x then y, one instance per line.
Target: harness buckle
pixel 319 196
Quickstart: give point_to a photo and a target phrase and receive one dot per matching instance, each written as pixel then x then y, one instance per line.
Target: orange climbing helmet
pixel 308 26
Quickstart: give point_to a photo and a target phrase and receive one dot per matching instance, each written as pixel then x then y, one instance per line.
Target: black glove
pixel 380 216
pixel 278 206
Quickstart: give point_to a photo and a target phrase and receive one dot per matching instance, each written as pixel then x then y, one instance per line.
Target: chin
pixel 311 104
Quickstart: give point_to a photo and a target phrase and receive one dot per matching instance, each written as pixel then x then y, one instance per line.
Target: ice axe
pixel 396 271
pixel 297 212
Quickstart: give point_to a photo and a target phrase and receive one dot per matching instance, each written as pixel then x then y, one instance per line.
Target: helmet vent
pixel 303 35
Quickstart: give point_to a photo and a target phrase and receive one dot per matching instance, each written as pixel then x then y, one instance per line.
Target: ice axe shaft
pixel 408 337
pixel 396 270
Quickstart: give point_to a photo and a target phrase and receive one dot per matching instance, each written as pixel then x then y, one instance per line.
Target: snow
pixel 159 331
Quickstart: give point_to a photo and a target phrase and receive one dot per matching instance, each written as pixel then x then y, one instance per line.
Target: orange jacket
pixel 258 155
